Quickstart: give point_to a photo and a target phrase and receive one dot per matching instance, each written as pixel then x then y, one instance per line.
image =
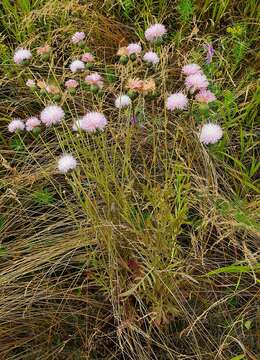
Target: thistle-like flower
pixel 87 57
pixel 66 163
pixel 16 125
pixel 92 122
pixel 177 101
pixel 122 101
pixel 78 37
pixel 210 133
pixel 196 82
pixel 205 96
pixel 31 123
pixel 52 114
pixel 134 48
pixel 151 58
pixel 191 69
pixel 94 79
pixel 22 55
pixel 77 65
pixel 155 32
pixel 71 84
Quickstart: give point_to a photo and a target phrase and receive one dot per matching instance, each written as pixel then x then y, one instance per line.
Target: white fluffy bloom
pixel 191 69
pixel 91 122
pixel 151 57
pixel 210 133
pixel 52 114
pixel 77 65
pixel 16 124
pixel 177 101
pixel 32 123
pixel 22 54
pixel 66 162
pixel 77 37
pixel 122 101
pixel 154 32
pixel 134 48
pixel 195 82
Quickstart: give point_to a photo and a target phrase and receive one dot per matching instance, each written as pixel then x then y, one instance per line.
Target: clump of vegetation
pixel 129 208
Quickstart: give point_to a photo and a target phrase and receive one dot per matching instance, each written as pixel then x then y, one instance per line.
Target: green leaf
pixel 235 269
pixel 247 324
pixel 238 357
pixel 43 197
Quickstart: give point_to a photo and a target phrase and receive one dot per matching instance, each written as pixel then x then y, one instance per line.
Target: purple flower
pixel 210 53
pixel 134 120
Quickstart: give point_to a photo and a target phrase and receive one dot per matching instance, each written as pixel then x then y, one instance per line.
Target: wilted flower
pixel 21 55
pixel 52 89
pixel 151 57
pixel 123 51
pixel 154 32
pixel 94 79
pixel 43 50
pixel 191 69
pixel 16 124
pixel 176 101
pixel 71 84
pixel 30 83
pixel 77 65
pixel 122 101
pixel 92 121
pixel 42 84
pixel 32 123
pixel 135 84
pixel 66 162
pixel 148 86
pixel 205 96
pixel 77 37
pixel 87 57
pixel 52 114
pixel 134 48
pixel 196 82
pixel 210 133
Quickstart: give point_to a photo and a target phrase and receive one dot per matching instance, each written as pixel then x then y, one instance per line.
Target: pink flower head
pixel 32 123
pixel 94 79
pixel 205 96
pixel 71 84
pixel 93 121
pixel 43 50
pixel 30 83
pixel 210 133
pixel 77 37
pixel 16 124
pixel 87 57
pixel 154 32
pixel 134 48
pixel 22 54
pixel 151 57
pixel 52 114
pixel 196 82
pixel 176 101
pixel 77 65
pixel 191 69
pixel 66 162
